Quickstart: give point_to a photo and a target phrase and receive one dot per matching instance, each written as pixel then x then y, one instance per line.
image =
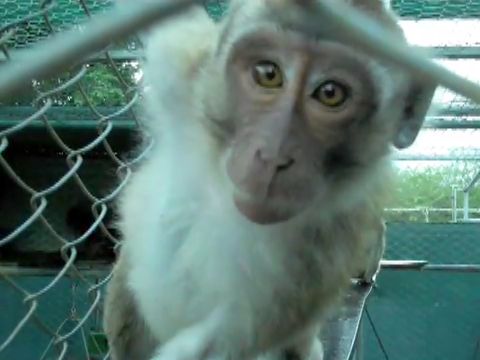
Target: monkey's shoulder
pixel 179 47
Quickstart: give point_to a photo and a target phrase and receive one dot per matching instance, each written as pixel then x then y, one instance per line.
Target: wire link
pixel 65 339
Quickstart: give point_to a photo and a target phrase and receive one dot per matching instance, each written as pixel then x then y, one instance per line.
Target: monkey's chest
pixel 273 293
pixel 294 306
pixel 270 287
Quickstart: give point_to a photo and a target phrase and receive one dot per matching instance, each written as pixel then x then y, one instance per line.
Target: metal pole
pixel 454 204
pixel 69 48
pixel 466 204
pixel 423 265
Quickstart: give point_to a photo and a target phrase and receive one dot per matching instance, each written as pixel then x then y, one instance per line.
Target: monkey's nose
pixel 285 164
pixel 279 163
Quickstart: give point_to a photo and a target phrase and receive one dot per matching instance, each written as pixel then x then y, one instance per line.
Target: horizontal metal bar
pixel 439 123
pixel 66 49
pixel 32 140
pixel 402 157
pixel 403 264
pixel 447 52
pixel 454 52
pixel 469 268
pixel 99 270
pixel 469 221
pixel 429 124
pixel 450 53
pixel 432 210
pixel 71 124
pixel 77 129
pixel 424 265
pixel 103 270
pixel 118 55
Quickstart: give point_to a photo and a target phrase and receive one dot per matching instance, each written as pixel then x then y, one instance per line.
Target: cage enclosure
pixel 66 144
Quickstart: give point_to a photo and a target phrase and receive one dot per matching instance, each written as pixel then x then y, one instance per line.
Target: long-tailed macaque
pixel 264 187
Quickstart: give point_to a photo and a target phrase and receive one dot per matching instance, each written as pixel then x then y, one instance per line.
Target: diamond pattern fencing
pixel 68 146
pixel 62 162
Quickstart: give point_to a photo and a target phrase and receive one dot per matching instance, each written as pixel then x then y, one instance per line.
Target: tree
pixel 431 188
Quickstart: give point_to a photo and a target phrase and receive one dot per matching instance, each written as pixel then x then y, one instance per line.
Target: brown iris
pixel 267 74
pixel 331 94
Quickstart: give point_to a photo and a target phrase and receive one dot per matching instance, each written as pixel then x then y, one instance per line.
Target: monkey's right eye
pixel 268 75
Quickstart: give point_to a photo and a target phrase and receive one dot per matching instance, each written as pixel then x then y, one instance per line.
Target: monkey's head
pixel 305 118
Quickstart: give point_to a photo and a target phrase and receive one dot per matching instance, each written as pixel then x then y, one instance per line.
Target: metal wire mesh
pixel 32 21
pixel 61 168
pixel 436 9
pixel 55 141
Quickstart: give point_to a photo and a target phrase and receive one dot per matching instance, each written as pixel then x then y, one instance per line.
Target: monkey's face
pixel 304 117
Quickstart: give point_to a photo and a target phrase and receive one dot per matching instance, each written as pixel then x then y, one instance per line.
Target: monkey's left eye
pixel 331 94
pixel 268 75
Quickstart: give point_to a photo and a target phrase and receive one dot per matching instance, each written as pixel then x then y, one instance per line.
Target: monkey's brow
pixel 259 34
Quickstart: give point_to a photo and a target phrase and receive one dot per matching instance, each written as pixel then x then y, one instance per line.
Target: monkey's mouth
pixel 262 213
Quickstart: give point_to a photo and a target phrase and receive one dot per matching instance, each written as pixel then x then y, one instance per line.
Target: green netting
pixel 31 19
pixel 216 7
pixel 436 243
pixel 424 316
pixel 34 17
pixel 438 9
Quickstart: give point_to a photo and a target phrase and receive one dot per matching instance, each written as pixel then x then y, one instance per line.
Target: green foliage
pixel 101 85
pixel 430 188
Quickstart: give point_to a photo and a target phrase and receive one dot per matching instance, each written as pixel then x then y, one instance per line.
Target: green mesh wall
pixel 427 315
pixel 437 9
pixel 216 7
pixel 420 9
pixel 437 243
pixel 36 16
pixel 424 316
pixel 31 19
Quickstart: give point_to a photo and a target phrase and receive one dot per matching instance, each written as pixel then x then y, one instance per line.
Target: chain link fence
pixel 65 154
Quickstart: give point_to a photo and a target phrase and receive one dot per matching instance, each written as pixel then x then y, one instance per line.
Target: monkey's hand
pixel 191 344
pixel 194 343
pixel 317 351
pixel 373 254
pixel 308 347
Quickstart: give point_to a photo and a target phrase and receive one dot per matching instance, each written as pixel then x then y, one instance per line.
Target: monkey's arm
pixel 373 252
pixel 126 331
pixel 175 52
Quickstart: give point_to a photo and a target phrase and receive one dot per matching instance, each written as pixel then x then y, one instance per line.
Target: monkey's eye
pixel 331 94
pixel 268 75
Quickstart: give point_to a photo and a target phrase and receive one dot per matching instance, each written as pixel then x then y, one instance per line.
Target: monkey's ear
pixel 415 109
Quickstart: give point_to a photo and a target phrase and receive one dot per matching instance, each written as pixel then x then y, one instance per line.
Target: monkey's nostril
pixel 285 164
pixel 274 161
